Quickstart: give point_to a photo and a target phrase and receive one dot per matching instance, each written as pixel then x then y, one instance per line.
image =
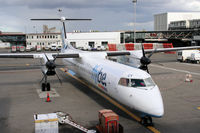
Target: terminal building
pixel 43 39
pixel 163 21
pixel 8 39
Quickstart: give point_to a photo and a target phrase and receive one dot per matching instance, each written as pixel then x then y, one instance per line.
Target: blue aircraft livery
pixel 99 77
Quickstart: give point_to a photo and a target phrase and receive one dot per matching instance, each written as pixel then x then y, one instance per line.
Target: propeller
pixel 145 60
pixel 51 66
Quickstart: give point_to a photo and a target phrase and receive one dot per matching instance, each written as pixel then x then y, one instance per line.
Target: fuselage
pixel 130 86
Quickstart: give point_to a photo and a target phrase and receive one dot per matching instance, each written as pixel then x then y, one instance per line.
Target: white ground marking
pixel 43 94
pixel 189 64
pixel 178 70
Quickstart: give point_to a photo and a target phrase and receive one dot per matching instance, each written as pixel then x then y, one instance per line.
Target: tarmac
pixel 20 97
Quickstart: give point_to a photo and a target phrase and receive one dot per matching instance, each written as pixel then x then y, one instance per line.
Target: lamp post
pixel 134 3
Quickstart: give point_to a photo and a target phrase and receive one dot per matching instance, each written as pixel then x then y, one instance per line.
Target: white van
pixel 53 47
pixel 185 55
pixel 28 48
pixel 38 48
pixel 195 58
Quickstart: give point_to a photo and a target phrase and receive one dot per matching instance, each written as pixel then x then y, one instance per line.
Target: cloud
pixel 107 15
pixel 65 3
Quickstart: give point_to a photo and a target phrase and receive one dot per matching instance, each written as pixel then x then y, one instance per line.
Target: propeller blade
pixel 143 50
pixel 42 78
pixel 152 53
pixel 147 69
pixel 46 56
pixel 56 57
pixel 59 78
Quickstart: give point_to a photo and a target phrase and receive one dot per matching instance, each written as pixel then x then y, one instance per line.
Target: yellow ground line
pixel 198 108
pixel 112 101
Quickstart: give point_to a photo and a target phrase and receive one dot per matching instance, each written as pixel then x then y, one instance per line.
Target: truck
pixel 195 58
pixel 185 55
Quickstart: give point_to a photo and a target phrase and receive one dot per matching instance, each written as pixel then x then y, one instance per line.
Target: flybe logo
pixel 99 77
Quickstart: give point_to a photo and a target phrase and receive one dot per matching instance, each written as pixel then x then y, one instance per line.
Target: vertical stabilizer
pixel 65 44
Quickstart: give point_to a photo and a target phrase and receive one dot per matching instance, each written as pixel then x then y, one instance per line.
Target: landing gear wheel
pixel 147 121
pixel 43 86
pixel 48 87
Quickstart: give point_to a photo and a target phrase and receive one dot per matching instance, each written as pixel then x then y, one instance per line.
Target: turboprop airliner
pixel 131 86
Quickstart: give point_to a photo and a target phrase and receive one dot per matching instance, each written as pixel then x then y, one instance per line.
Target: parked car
pixel 53 47
pixel 38 48
pixel 22 48
pixel 13 49
pixel 28 48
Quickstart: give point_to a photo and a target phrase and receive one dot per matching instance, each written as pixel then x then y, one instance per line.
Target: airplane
pixel 131 86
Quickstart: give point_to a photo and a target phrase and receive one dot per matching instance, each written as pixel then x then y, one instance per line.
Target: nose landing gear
pixel 147 121
pixel 45 86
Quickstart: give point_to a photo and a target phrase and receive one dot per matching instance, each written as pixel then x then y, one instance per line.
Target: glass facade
pixel 14 39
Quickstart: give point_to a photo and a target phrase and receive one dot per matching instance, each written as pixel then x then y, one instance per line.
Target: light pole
pixel 134 3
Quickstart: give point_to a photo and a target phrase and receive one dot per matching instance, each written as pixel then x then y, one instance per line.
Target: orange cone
pixel 48 98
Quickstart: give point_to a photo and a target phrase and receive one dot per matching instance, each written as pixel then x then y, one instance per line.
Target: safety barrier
pixel 168 45
pixel 112 47
pixel 137 46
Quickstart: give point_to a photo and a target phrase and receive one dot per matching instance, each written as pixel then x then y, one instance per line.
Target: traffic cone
pixel 188 78
pixel 48 98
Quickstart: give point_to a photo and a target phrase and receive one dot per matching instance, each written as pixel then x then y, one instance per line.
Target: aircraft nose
pixel 156 111
pixel 151 102
pixel 155 105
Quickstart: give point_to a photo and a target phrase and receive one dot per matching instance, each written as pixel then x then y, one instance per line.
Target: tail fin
pixel 65 45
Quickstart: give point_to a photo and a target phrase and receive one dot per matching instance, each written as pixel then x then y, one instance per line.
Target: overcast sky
pixel 107 15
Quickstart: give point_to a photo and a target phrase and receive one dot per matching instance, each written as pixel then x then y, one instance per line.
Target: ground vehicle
pixel 47 47
pixel 28 48
pixel 38 48
pixel 195 58
pixel 59 46
pixel 13 49
pixel 109 122
pixel 22 48
pixel 87 48
pixel 184 55
pixel 53 47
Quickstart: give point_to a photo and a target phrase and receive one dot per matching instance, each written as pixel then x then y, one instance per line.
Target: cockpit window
pixel 137 83
pixel 124 81
pixel 148 82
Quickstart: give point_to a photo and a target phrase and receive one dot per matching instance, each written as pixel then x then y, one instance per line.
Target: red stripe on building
pixel 129 46
pixel 148 45
pixel 112 47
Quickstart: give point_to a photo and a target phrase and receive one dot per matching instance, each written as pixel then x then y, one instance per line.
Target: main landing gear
pixel 45 86
pixel 147 121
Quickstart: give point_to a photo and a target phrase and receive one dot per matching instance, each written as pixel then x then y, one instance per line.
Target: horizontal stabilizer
pixel 62 19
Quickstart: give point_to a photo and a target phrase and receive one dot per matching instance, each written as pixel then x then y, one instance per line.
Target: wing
pixel 42 55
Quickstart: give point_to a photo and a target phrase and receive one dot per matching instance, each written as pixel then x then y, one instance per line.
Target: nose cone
pixel 150 102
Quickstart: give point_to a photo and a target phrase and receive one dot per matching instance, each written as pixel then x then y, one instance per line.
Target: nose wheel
pixel 147 121
pixel 46 87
